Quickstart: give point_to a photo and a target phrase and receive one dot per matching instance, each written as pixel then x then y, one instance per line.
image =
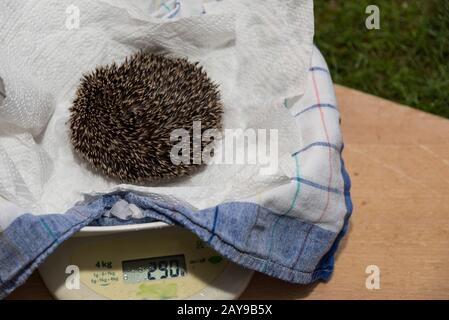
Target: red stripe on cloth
pixel 323 122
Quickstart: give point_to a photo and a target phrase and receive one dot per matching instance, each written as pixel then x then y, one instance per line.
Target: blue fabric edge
pixel 95 209
pixel 8 286
pixel 326 265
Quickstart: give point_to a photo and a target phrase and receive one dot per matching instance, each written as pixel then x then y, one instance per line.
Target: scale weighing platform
pixel 148 261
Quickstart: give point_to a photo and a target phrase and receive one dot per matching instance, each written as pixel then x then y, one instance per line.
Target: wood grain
pixel 398 160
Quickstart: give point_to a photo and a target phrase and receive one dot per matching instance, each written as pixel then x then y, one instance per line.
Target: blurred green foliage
pixel 406 60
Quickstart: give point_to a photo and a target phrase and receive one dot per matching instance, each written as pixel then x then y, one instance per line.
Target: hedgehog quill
pixel 122 115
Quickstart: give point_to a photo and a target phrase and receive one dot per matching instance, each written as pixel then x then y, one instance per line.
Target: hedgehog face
pixel 123 115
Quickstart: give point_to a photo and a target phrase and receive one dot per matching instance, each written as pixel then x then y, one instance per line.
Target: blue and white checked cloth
pixel 280 244
pixel 290 231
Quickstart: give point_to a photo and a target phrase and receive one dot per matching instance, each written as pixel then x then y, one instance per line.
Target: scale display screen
pixel 155 268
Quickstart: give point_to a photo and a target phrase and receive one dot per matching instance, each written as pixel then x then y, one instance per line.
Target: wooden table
pixel 398 160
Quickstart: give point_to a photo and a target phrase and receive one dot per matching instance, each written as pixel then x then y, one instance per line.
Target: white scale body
pixel 149 261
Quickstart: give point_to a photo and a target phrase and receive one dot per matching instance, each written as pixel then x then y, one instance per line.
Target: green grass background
pixel 407 60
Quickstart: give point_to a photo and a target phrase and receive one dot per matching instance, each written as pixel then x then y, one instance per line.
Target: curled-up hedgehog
pixel 123 115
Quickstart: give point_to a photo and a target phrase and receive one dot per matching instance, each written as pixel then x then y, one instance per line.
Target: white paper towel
pixel 259 53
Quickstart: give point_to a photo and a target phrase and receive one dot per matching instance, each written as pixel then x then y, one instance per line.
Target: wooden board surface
pixel 398 160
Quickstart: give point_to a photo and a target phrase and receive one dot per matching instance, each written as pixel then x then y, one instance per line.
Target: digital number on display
pixel 154 268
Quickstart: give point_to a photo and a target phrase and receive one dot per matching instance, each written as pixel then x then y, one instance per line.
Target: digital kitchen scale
pixel 149 261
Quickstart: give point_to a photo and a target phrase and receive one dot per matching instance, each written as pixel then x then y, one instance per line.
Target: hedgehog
pixel 123 114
